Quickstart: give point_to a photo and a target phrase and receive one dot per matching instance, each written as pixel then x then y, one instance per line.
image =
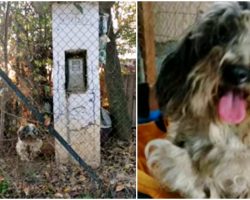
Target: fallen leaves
pixel 58 195
pixel 119 188
pixel 119 172
pixel 46 179
pixel 26 191
pixel 1 178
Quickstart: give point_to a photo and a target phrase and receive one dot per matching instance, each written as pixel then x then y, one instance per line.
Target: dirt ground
pixel 44 179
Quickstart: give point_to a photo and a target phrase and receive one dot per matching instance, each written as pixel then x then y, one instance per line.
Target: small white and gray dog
pixel 29 142
pixel 204 91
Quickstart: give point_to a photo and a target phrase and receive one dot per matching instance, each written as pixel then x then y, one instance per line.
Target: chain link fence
pixel 53 53
pixel 170 22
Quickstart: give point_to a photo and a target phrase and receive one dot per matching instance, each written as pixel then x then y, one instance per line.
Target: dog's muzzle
pixel 235 74
pixel 232 101
pixel 28 135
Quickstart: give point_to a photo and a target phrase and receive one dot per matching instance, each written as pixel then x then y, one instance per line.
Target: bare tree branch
pixel 6 29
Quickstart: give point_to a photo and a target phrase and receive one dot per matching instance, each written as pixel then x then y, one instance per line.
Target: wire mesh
pixel 171 20
pixel 51 52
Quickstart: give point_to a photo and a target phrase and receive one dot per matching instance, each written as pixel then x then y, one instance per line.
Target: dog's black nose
pixel 235 74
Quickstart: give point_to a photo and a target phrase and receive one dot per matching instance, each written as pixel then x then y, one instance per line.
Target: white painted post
pixel 77 114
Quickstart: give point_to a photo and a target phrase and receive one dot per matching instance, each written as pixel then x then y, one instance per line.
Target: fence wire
pixel 51 52
pixel 170 22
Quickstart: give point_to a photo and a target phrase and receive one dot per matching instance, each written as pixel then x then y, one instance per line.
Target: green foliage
pixel 125 16
pixel 4 186
pixel 29 43
pixel 85 196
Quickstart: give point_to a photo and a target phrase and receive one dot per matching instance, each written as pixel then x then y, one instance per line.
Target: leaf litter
pixel 45 179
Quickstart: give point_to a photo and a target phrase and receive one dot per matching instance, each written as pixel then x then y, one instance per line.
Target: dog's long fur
pixel 29 142
pixel 203 156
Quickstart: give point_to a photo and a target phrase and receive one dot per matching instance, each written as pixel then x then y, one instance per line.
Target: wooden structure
pixel 146 33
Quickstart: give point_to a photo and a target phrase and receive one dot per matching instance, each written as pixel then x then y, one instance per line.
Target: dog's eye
pixel 227 28
pixel 223 34
pixel 36 132
pixel 26 129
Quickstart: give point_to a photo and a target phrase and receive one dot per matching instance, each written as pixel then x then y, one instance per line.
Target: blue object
pixel 154 115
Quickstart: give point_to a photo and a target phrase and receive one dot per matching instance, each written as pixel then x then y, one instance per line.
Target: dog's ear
pixel 171 82
pixel 19 130
pixel 21 133
pixel 38 133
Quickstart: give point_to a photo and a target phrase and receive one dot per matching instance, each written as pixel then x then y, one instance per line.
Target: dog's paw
pixel 172 167
pixel 163 156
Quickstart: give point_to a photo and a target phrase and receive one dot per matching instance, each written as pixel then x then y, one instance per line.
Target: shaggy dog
pixel 204 90
pixel 29 142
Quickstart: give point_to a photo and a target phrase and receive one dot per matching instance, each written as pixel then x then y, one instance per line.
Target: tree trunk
pixel 6 28
pixel 115 88
pixel 5 49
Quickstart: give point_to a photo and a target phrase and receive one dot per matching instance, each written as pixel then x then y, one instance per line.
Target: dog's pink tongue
pixel 232 108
